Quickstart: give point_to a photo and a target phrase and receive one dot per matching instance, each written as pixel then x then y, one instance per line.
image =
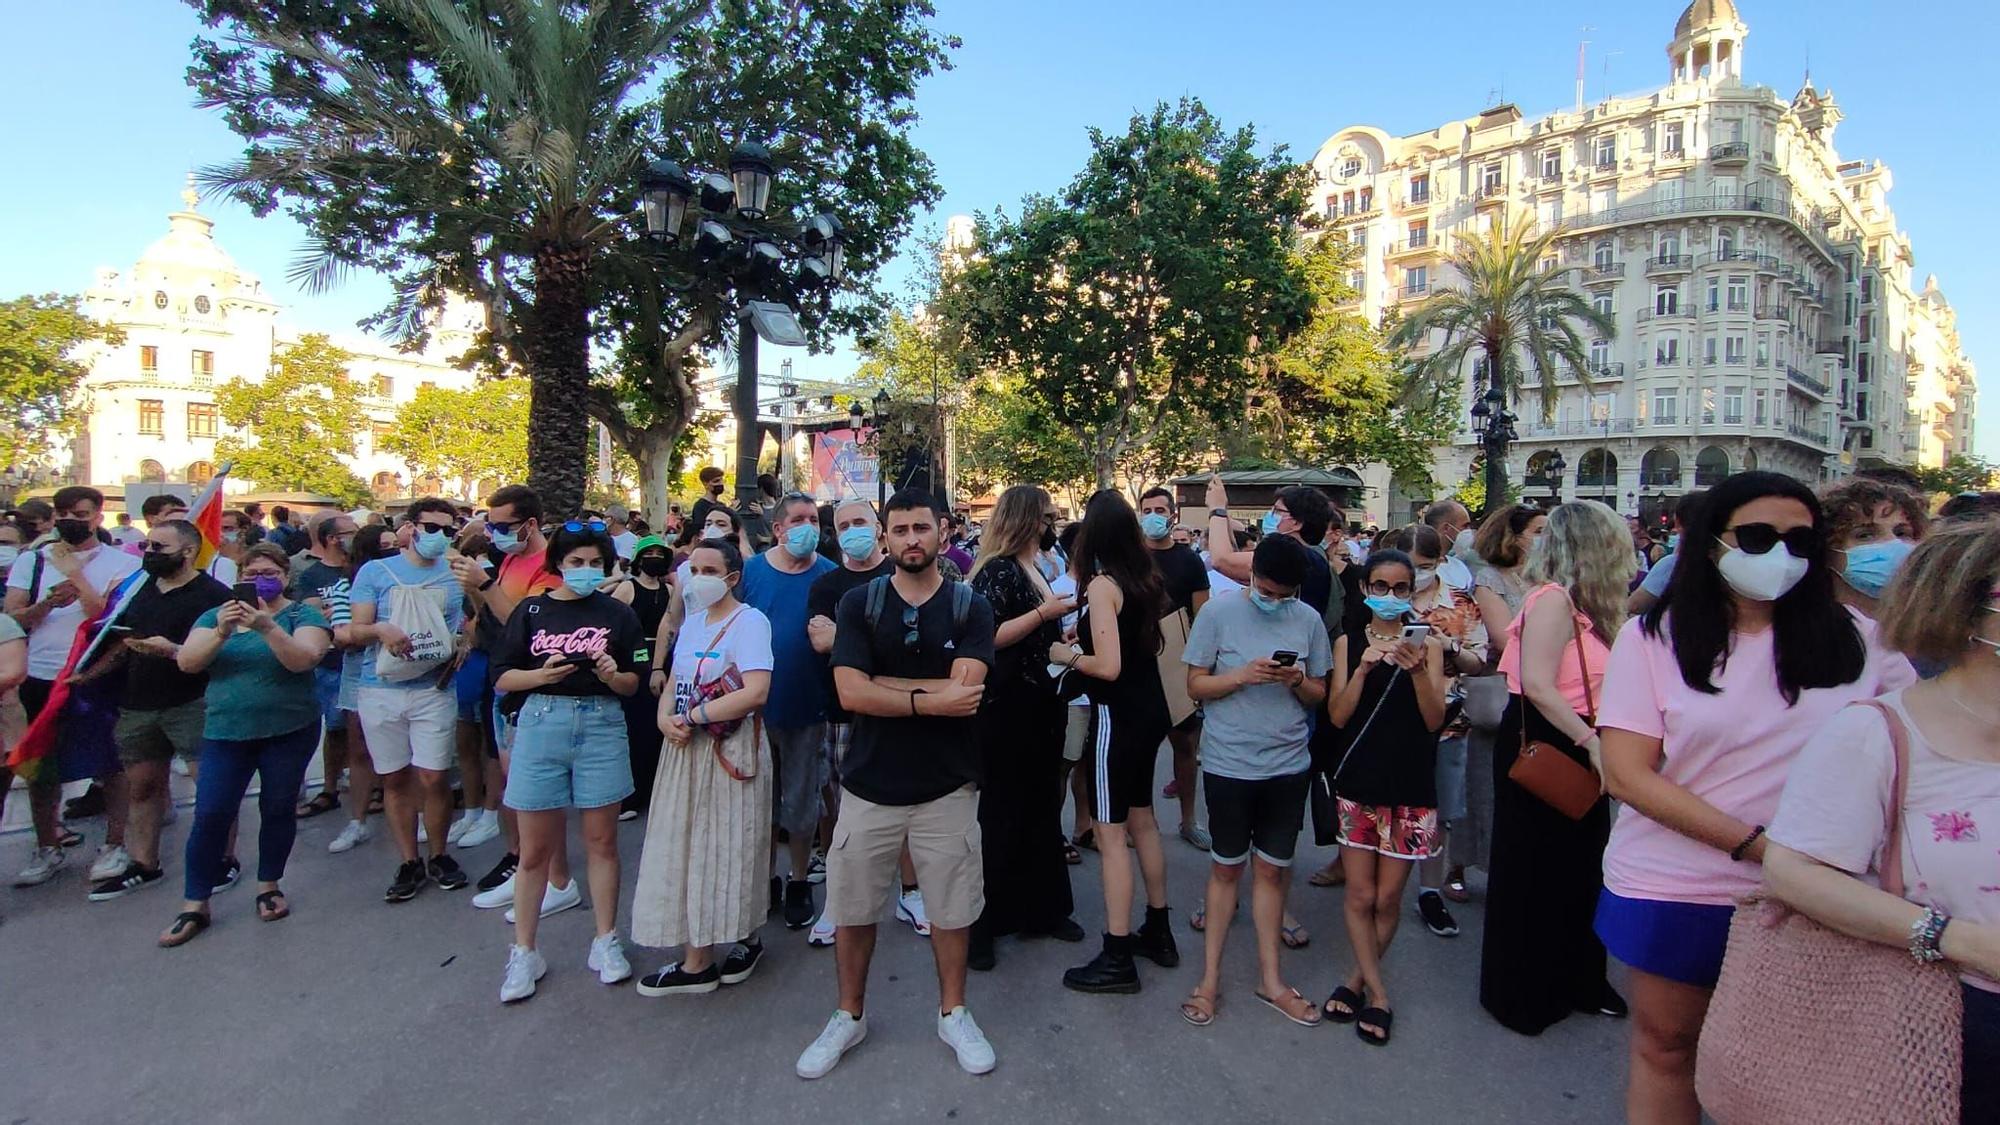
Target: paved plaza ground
pixel 353 1010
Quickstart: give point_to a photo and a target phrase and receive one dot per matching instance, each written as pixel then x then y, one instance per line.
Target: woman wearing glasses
pixel 707 856
pixel 1707 700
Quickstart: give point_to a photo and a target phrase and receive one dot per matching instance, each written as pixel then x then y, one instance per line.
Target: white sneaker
pixel 111 860
pixel 354 832
pixel 502 895
pixel 456 832
pixel 975 1054
pixel 42 866
pixel 842 1034
pixel 180 766
pixel 423 835
pixel 822 931
pixel 524 968
pixel 483 831
pixel 910 908
pixel 554 900
pixel 607 959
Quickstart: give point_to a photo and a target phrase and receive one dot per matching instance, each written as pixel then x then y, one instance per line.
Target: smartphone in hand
pixel 1284 658
pixel 1416 632
pixel 245 592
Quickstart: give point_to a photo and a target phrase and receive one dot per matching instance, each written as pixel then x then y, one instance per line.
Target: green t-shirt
pixel 250 694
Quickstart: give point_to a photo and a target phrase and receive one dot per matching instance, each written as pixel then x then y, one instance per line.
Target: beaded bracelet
pixel 1926 933
pixel 1737 853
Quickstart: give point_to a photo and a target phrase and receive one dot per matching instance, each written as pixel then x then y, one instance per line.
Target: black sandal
pixel 322 802
pixel 1086 839
pixel 375 800
pixel 267 912
pixel 1350 1002
pixel 187 926
pixel 1379 1017
pixel 1070 855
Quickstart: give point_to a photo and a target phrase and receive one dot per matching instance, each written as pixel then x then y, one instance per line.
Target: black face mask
pixel 161 564
pixel 73 531
pixel 715 489
pixel 655 566
pixel 1048 539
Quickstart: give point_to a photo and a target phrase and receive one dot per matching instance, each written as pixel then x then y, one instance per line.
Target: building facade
pixel 1761 291
pixel 194 319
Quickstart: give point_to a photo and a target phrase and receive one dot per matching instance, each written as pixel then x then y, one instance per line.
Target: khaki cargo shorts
pixel 944 842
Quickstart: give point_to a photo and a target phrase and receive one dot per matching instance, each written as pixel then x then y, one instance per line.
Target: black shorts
pixel 1262 816
pixel 1123 757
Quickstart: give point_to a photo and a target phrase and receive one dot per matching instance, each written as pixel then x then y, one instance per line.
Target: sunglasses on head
pixel 1759 538
pixel 585 525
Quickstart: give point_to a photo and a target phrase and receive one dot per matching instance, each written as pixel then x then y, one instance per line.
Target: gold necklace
pixel 1373 635
pixel 1989 720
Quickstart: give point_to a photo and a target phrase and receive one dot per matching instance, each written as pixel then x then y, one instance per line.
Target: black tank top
pixel 1395 760
pixel 651 606
pixel 1136 695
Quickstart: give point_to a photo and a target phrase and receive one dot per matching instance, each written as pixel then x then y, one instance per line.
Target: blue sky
pixel 103 129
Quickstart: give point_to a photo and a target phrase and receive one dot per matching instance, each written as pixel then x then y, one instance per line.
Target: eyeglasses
pixel 910 623
pixel 502 527
pixel 1759 538
pixel 1383 589
pixel 585 525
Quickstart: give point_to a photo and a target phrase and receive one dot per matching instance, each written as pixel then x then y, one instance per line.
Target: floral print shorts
pixel 1397 831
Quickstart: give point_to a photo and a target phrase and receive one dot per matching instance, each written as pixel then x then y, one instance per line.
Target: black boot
pixel 1110 971
pixel 1156 939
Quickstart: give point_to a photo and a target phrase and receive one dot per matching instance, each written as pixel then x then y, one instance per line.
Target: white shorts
pixel 409 726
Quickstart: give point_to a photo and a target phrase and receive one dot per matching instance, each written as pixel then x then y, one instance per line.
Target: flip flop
pixel 1070 855
pixel 375 801
pixel 271 906
pixel 1198 921
pixel 1321 878
pixel 1295 937
pixel 1086 839
pixel 1293 1007
pixel 322 802
pixel 1198 1009
pixel 1348 998
pixel 187 926
pixel 1379 1017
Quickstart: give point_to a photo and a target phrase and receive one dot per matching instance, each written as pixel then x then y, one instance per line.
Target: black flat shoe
pixel 1608 1003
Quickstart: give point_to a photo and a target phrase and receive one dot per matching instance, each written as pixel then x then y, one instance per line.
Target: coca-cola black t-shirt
pixel 545 626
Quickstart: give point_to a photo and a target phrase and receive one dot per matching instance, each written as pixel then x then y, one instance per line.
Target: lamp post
pixel 1555 468
pixel 1495 428
pixel 766 269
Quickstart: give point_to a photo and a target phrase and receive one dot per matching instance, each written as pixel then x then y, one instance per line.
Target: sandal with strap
pixel 1199 1008
pixel 272 907
pixel 375 800
pixel 1198 921
pixel 322 802
pixel 1293 1007
pixel 1294 936
pixel 1350 1003
pixel 1086 839
pixel 187 926
pixel 1329 876
pixel 1070 855
pixel 1380 1018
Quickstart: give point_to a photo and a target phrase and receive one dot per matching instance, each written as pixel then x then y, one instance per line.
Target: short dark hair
pixel 1066 538
pixel 1970 505
pixel 69 497
pixel 562 541
pixel 437 504
pixel 281 513
pixel 190 535
pixel 1281 559
pixel 159 502
pixel 325 526
pixel 708 473
pixel 1387 556
pixel 35 509
pixel 1172 504
pixel 526 502
pixel 1311 508
pixel 909 500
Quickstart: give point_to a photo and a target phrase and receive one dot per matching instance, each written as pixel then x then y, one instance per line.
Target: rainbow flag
pixel 30 758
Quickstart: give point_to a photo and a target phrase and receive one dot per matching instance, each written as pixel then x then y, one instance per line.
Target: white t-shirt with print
pixel 49 642
pixel 746 643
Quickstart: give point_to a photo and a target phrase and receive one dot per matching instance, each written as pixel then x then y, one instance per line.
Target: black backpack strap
pixel 35 582
pixel 961 606
pixel 878 595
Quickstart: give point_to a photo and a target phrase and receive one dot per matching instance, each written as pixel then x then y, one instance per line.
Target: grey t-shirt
pixel 1258 731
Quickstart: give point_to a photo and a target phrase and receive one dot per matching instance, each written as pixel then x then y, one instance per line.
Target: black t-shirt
pixel 1181 570
pixel 823 600
pixel 1317 590
pixel 154 682
pixel 318 580
pixel 908 761
pixel 546 625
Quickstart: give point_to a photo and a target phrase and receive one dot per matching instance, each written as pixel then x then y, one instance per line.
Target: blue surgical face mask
pixel 1267 604
pixel 1871 565
pixel 1673 541
pixel 505 542
pixel 1271 521
pixel 802 541
pixel 858 542
pixel 432 544
pixel 1388 607
pixel 583 579
pixel 1155 526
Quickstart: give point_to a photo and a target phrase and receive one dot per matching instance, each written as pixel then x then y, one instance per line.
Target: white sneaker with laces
pixel 456 832
pixel 502 895
pixel 822 931
pixel 607 959
pixel 42 866
pixel 555 899
pixel 524 968
pixel 111 860
pixel 484 831
pixel 842 1034
pixel 910 908
pixel 975 1054
pixel 352 833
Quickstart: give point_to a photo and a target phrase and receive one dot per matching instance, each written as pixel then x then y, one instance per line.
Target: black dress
pixel 1394 763
pixel 1020 740
pixel 642 714
pixel 1540 959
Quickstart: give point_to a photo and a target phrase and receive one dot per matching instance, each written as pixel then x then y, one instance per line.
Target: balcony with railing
pixel 1660 478
pixel 1806 382
pixel 1701 205
pixel 1607 274
pixel 1414 291
pixel 1415 244
pixel 1599 427
pixel 1647 315
pixel 1607 372
pixel 1807 433
pixel 1732 152
pixel 1415 199
pixel 1768 310
pixel 1669 263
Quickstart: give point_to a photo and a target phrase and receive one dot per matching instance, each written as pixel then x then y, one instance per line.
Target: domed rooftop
pixel 189 245
pixel 1706 13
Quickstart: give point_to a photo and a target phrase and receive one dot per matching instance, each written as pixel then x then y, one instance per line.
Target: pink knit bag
pixel 1809 1026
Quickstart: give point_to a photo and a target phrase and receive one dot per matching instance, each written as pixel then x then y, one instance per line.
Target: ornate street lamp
pixel 1555 469
pixel 1495 428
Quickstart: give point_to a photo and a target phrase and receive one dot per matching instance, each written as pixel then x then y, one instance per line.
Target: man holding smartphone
pixel 1258 661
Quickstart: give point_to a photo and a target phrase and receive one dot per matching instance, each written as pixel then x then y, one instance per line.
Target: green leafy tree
pixel 491 147
pixel 1961 472
pixel 1142 292
pixel 302 418
pixel 464 436
pixel 42 366
pixel 1005 436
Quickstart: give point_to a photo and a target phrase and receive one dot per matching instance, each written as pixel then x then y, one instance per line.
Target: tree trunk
pixel 653 448
pixel 557 347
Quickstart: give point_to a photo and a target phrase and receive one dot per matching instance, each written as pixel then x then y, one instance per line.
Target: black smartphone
pixel 1285 657
pixel 582 660
pixel 245 592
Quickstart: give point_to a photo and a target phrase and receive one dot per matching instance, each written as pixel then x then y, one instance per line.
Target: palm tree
pixel 1521 322
pixel 508 139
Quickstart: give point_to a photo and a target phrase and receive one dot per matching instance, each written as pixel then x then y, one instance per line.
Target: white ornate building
pixel 1763 295
pixel 192 319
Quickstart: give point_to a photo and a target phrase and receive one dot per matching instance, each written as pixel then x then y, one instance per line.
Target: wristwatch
pixel 1223 512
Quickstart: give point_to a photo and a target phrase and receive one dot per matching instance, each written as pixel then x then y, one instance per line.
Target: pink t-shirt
pixel 1836 809
pixel 1731 748
pixel 1569 671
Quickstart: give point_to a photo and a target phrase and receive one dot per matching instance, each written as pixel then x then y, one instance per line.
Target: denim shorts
pixel 1681 941
pixel 569 752
pixel 470 683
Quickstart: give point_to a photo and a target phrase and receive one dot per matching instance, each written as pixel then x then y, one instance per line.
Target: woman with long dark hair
pixel 1119 638
pixel 1707 700
pixel 1020 736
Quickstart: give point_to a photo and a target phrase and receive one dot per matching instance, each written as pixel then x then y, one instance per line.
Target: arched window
pixel 1601 257
pixel 152 472
pixel 430 484
pixel 200 472
pixel 385 485
pixel 1661 468
pixel 1597 468
pixel 1711 465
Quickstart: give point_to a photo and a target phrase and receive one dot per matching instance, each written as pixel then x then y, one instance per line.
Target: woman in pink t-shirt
pixel 1707 700
pixel 1827 839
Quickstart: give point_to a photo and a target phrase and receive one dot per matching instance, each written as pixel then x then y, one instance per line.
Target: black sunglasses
pixel 1759 538
pixel 585 525
pixel 444 527
pixel 910 623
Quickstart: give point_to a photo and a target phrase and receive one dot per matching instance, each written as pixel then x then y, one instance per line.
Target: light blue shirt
pixel 1655 582
pixel 371 589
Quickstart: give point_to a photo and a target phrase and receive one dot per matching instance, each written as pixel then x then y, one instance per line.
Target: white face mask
pixel 8 553
pixel 1762 578
pixel 1426 577
pixel 704 590
pixel 1462 545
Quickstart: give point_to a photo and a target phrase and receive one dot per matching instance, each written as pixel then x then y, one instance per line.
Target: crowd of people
pixel 1612 734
